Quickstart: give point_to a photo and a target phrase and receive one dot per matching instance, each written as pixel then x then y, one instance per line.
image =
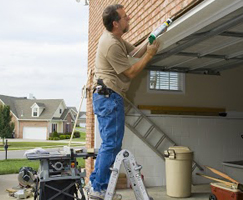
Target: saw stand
pixel 133 173
pixel 59 177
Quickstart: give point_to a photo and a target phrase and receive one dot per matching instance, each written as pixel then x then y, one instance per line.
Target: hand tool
pixel 158 31
pixel 162 28
pixel 233 184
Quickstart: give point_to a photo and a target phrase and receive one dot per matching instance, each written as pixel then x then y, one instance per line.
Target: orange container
pixel 221 191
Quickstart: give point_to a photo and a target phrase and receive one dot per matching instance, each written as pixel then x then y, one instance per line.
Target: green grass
pixel 32 145
pixel 12 166
pixel 81 139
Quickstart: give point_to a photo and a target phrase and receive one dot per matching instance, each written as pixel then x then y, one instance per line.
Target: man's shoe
pixel 87 187
pixel 94 195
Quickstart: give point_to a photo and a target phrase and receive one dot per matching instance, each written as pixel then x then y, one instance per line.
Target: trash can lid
pixel 180 149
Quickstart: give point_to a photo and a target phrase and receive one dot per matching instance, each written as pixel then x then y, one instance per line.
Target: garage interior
pixel 206 47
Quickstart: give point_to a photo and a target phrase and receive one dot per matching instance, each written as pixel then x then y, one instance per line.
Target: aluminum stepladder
pixel 133 173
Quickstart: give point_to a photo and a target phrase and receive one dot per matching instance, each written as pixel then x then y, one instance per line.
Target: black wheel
pixel 212 197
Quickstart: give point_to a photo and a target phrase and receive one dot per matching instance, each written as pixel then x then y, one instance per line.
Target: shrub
pixel 56 138
pixel 67 136
pixel 62 137
pixel 54 134
pixel 68 133
pixel 76 134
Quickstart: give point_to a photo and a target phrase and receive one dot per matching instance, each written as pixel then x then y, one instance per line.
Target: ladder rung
pixel 128 108
pixel 148 131
pixel 160 141
pixel 137 122
pixel 194 165
pixel 144 137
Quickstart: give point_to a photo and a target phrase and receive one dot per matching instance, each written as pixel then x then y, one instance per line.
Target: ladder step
pixel 158 133
pixel 151 128
pixel 127 109
pixel 160 141
pixel 194 166
pixel 138 121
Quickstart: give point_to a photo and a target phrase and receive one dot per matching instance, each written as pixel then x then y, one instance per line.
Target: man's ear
pixel 115 24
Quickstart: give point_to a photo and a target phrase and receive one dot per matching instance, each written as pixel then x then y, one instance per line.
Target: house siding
pixel 23 124
pixel 145 16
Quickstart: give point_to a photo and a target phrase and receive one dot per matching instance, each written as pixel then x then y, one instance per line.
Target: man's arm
pixel 139 51
pixel 136 68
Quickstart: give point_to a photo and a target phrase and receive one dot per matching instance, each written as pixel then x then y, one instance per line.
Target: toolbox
pixel 220 191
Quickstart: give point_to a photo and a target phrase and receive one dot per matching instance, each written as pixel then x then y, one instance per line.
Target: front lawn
pixel 12 166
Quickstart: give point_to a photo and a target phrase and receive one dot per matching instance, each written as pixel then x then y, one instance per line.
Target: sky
pixel 44 49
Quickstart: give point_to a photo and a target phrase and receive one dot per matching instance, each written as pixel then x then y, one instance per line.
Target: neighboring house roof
pixel 41 105
pixel 21 107
pixel 10 101
pixel 82 115
pixel 65 113
pixel 73 108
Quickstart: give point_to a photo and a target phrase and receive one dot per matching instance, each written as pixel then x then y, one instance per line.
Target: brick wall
pixel 68 121
pixel 145 16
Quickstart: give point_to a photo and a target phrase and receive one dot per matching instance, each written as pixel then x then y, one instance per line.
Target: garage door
pixel 37 133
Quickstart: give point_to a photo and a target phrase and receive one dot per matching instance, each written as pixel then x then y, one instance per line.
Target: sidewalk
pixel 7 182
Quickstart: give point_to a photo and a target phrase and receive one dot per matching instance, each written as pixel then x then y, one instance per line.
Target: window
pixel 60 111
pixel 53 128
pixel 35 112
pixel 68 128
pixel 166 81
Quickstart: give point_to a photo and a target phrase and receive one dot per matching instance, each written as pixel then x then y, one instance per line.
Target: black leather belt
pixel 103 91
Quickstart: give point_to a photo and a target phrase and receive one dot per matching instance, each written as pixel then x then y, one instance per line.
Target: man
pixel 113 74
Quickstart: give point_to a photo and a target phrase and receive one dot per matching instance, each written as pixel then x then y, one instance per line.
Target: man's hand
pixel 136 68
pixel 153 48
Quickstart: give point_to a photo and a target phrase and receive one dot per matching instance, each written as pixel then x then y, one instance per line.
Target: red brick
pixel 145 15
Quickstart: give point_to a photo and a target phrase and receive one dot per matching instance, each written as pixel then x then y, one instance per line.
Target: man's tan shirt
pixel 111 61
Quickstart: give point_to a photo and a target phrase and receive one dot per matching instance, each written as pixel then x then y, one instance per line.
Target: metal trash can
pixel 178 167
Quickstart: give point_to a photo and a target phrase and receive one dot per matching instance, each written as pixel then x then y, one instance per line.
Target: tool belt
pixel 102 89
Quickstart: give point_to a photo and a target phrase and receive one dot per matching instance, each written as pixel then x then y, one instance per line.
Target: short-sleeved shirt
pixel 111 61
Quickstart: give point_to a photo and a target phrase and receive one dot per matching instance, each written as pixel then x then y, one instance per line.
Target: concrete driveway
pixel 199 192
pixel 8 182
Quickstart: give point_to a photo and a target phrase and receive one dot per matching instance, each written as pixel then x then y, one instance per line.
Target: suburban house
pixel 38 118
pixel 190 93
pixel 82 119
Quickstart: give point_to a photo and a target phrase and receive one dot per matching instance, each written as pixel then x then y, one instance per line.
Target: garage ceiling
pixel 215 47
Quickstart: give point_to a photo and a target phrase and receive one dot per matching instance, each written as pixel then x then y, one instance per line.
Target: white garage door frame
pixel 36 133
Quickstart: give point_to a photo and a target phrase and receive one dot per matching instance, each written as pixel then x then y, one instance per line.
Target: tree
pixel 6 126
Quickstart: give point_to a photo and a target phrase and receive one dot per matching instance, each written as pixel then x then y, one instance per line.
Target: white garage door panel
pixel 37 133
